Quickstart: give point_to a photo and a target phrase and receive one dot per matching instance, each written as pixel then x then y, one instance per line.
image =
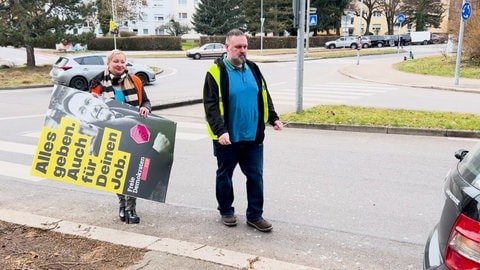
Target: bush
pixel 272 42
pixel 472 41
pixel 141 43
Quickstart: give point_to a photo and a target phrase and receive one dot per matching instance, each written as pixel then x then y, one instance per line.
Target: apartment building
pixel 151 19
pixel 378 24
pixel 156 13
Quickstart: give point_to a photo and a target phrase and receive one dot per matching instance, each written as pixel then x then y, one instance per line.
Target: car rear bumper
pixel 432 259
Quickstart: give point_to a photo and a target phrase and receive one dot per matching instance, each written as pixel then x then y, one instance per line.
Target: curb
pixel 171 246
pixel 388 130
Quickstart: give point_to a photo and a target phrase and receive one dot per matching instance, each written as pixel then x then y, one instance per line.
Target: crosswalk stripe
pixel 322 92
pixel 308 104
pixel 315 95
pixel 10 169
pixel 18 147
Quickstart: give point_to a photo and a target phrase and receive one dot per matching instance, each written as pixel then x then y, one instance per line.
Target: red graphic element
pixel 146 165
pixel 140 134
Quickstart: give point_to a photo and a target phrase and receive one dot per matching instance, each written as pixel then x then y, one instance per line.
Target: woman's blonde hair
pixel 112 54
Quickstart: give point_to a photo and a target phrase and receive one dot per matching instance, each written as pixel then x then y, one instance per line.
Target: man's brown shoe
pixel 229 220
pixel 261 225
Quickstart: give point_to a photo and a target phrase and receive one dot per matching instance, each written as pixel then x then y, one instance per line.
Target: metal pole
pixel 114 34
pixel 261 26
pixel 307 26
pixel 398 47
pixel 300 56
pixel 459 48
pixel 360 31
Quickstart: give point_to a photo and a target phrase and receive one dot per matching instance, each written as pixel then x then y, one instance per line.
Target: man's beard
pixel 239 60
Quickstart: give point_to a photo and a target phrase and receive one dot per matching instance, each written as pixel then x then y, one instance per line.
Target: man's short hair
pixel 234 32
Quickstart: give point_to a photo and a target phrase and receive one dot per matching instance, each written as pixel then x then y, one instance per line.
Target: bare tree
pixel 371 6
pixel 390 9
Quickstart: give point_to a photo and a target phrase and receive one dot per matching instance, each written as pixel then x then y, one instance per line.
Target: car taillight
pixel 65 67
pixel 463 250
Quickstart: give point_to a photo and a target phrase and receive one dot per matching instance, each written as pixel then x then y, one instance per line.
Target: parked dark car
pixel 454 243
pixel 380 41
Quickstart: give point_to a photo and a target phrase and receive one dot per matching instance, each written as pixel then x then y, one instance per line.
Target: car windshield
pixel 469 168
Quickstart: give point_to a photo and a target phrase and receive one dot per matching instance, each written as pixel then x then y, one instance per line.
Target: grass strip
pixel 24 76
pixel 439 66
pixel 365 116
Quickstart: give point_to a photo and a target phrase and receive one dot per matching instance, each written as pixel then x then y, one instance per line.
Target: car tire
pixel 143 77
pixel 79 83
pixel 425 42
pixel 331 46
pixel 197 56
pixel 353 45
pixel 379 44
pixel 365 45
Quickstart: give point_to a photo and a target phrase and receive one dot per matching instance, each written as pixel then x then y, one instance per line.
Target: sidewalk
pixel 368 71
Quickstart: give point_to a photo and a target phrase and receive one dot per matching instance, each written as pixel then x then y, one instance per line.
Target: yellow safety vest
pixel 215 72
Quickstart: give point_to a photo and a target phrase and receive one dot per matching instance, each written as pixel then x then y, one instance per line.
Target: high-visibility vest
pixel 215 72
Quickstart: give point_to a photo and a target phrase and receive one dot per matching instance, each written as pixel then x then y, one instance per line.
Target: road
pixel 338 200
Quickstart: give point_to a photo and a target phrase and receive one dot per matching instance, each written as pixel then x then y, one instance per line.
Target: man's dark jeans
pixel 249 155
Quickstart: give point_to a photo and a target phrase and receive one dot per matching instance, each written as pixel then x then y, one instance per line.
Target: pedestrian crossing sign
pixel 313 20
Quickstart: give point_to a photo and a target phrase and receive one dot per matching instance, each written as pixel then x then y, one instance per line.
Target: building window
pixel 135 31
pixel 158 18
pixel 376 28
pixel 377 13
pixel 182 15
pixel 182 2
pixel 145 31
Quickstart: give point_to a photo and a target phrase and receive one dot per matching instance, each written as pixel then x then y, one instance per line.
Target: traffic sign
pixel 313 20
pixel 400 18
pixel 466 11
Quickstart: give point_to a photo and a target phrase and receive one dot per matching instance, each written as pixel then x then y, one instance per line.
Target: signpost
pixel 400 20
pixel 466 13
pixel 299 13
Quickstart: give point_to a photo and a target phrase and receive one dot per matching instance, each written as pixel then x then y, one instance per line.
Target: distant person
pixel 237 106
pixel 116 83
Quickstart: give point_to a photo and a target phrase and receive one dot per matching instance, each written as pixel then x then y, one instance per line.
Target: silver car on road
pixel 77 71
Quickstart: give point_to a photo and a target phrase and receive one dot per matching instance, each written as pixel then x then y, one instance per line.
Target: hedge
pixel 142 43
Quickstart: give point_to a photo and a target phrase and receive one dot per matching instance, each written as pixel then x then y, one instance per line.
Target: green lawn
pixel 363 116
pixel 439 66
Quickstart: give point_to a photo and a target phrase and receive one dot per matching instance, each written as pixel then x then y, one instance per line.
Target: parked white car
pixel 348 42
pixel 77 71
pixel 208 50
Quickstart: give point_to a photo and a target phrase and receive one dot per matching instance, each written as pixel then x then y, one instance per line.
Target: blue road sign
pixel 400 18
pixel 313 20
pixel 466 11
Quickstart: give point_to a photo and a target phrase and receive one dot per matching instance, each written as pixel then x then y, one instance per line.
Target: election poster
pixel 105 145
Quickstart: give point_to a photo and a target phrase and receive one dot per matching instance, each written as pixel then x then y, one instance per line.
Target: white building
pixel 156 13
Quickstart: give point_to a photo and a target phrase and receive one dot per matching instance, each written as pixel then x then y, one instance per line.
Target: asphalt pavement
pixel 168 253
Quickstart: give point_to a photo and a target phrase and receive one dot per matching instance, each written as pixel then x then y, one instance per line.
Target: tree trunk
pixel 30 55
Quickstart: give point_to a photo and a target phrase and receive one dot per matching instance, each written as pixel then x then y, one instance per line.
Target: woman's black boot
pixel 131 217
pixel 121 213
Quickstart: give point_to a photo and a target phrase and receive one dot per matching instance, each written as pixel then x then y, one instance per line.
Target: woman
pixel 116 83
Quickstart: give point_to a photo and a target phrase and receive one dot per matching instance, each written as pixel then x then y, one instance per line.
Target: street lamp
pixel 114 34
pixel 262 20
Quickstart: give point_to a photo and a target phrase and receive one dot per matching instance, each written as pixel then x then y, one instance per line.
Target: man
pixel 237 106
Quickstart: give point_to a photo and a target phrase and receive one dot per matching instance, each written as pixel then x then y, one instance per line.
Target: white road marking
pixel 21 116
pixel 15 170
